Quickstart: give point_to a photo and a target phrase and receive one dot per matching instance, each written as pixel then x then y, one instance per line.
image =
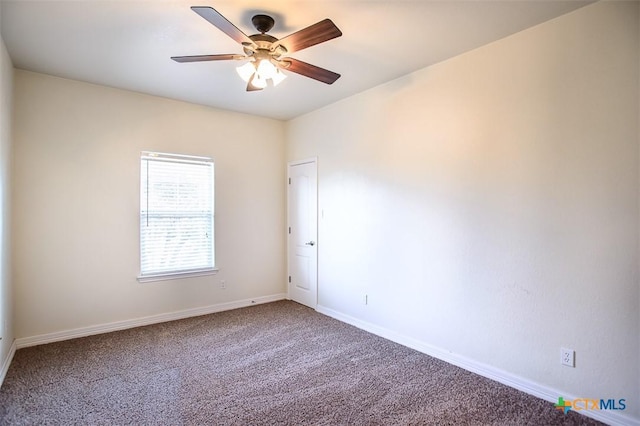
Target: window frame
pixel 184 273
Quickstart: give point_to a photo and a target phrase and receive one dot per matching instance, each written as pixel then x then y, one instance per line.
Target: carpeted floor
pixel 278 363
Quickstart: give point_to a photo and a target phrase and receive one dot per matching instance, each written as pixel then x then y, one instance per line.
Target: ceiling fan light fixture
pixel 258 75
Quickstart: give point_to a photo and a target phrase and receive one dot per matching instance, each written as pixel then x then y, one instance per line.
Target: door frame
pixel 289 165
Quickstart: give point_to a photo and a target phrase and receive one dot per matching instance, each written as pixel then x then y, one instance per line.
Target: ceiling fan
pixel 267 54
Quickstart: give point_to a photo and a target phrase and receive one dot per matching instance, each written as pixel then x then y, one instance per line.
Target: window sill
pixel 176 275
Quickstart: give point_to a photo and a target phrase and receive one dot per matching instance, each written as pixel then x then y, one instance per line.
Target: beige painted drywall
pixel 6 308
pixel 76 200
pixel 488 205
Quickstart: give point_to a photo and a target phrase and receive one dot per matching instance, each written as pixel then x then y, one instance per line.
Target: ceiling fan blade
pixel 308 70
pixel 317 33
pixel 201 58
pixel 216 19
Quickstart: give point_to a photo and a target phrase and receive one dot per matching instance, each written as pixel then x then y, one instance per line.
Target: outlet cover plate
pixel 568 357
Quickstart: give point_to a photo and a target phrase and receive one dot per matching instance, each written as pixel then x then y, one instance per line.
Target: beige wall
pixel 488 205
pixel 6 309
pixel 76 200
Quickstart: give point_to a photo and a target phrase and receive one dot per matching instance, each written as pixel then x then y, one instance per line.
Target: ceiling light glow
pixel 260 73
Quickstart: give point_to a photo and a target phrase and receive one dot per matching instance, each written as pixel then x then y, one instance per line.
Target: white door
pixel 303 232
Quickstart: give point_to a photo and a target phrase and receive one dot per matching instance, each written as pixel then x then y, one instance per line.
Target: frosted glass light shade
pixel 266 69
pixel 258 73
pixel 246 71
pixel 278 77
pixel 258 81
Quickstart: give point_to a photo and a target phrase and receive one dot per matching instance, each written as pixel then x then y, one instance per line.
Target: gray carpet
pixel 278 363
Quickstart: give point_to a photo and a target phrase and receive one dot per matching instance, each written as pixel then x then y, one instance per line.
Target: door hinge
pixel 289 181
pixel 289 229
pixel 289 278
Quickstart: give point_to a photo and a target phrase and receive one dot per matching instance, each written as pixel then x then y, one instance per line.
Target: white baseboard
pixel 501 376
pixel 7 362
pixel 138 322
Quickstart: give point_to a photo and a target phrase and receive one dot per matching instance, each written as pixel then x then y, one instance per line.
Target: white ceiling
pixel 127 43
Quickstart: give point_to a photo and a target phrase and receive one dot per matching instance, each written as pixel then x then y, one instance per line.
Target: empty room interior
pixel 470 191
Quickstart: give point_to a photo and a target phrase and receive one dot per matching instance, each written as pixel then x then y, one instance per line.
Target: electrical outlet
pixel 567 357
pixel 223 284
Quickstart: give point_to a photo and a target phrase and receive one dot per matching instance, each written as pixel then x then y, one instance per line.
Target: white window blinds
pixel 176 214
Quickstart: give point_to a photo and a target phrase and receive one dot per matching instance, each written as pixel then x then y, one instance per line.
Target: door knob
pixel 310 243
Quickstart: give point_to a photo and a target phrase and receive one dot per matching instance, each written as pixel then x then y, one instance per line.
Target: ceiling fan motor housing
pixel 264 43
pixel 263 23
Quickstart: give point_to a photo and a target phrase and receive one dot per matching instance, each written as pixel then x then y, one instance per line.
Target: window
pixel 176 216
